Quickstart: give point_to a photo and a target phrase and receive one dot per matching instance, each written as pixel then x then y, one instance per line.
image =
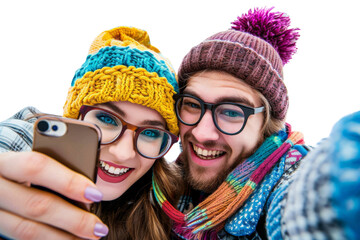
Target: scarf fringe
pixel 188 233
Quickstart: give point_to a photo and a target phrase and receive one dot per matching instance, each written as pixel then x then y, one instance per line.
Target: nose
pixel 123 149
pixel 206 130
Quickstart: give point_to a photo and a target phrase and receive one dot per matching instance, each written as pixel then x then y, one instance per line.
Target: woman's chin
pixel 110 191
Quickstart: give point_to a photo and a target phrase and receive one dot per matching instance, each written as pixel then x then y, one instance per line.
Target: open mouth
pixel 111 170
pixel 207 154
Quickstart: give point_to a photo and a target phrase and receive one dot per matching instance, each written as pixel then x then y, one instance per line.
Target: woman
pixel 125 87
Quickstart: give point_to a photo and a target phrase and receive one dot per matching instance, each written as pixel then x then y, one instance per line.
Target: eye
pixel 232 113
pixel 229 112
pixel 191 103
pixel 151 133
pixel 106 119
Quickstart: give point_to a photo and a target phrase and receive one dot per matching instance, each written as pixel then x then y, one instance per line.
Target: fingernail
pixel 93 194
pixel 100 230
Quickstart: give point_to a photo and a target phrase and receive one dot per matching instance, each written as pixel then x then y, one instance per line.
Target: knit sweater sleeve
pixel 16 133
pixel 320 199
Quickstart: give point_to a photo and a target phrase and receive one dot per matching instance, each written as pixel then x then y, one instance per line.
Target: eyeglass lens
pixel 150 142
pixel 228 117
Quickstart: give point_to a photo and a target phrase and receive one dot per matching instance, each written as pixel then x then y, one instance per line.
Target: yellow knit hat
pixel 122 65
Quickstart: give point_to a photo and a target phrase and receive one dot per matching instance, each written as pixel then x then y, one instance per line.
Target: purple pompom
pixel 271 27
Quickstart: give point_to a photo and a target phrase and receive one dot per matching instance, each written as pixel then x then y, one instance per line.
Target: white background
pixel 42 43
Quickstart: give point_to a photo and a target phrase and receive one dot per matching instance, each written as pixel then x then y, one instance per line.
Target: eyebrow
pixel 145 122
pixel 239 99
pixel 115 108
pixel 153 123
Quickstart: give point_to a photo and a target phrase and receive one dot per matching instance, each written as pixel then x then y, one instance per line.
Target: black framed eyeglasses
pixel 229 118
pixel 149 142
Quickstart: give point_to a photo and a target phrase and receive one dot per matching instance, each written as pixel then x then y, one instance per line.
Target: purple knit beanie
pixel 254 50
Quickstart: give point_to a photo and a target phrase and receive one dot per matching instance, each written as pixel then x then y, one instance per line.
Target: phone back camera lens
pixel 43 126
pixel 54 128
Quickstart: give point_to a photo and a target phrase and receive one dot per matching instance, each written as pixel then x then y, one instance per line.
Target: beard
pixel 209 185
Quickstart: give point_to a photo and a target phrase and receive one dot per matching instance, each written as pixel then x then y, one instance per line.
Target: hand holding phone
pixel 49 216
pixel 72 142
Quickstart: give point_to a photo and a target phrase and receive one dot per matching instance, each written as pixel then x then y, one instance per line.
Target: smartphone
pixel 72 142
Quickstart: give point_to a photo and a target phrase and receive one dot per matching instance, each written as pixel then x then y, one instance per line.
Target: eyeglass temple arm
pixel 259 109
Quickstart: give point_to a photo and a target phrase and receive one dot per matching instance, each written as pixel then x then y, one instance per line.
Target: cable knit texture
pixel 124 66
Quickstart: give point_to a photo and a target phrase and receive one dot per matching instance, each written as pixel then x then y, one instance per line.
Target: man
pixel 232 107
pixel 240 159
pixel 238 154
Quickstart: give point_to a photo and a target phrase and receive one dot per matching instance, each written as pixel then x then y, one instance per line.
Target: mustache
pixel 207 144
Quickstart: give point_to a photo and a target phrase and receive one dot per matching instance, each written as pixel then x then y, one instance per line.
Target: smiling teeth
pixel 207 154
pixel 112 171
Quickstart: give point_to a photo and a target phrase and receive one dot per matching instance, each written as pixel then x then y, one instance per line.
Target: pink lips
pixel 106 177
pixel 201 162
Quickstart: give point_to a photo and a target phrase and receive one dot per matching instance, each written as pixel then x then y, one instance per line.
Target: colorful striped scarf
pixel 206 219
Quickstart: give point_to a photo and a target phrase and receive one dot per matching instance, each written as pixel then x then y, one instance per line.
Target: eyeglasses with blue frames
pixel 229 118
pixel 149 142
